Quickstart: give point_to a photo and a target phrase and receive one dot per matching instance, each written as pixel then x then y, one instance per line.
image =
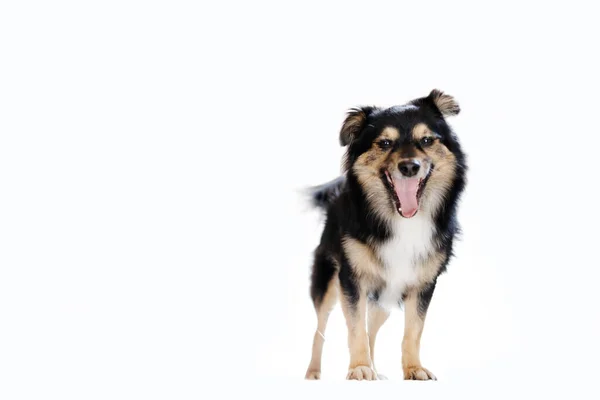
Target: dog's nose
pixel 409 168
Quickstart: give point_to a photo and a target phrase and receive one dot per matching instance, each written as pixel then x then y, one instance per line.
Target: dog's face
pixel 404 157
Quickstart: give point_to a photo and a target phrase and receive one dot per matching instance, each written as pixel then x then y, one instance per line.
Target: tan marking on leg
pixel 376 317
pixel 364 263
pixel 358 342
pixel 428 269
pixel 323 310
pixel 413 328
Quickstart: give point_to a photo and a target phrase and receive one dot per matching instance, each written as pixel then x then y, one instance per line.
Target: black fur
pixel 323 195
pixel 425 296
pixel 323 271
pixel 348 284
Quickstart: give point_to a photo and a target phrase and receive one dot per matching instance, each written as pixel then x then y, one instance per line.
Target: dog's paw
pixel 362 372
pixel 313 375
pixel 418 374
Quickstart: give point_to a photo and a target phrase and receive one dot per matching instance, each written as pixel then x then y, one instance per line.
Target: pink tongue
pixel 406 190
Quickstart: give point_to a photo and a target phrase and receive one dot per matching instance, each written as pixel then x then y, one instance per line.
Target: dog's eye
pixel 426 142
pixel 385 144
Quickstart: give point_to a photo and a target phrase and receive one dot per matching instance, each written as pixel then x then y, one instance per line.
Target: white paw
pixel 313 375
pixel 418 374
pixel 362 372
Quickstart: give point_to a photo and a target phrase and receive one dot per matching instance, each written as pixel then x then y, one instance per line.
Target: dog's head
pixel 405 158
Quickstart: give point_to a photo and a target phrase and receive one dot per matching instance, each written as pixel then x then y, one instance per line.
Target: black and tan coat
pixel 374 253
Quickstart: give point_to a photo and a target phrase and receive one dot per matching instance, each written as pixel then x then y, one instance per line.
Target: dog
pixel 389 228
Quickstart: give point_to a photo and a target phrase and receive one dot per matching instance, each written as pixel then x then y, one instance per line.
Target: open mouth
pixel 406 193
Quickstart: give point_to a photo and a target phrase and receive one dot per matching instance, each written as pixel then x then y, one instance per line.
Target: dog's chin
pixel 405 193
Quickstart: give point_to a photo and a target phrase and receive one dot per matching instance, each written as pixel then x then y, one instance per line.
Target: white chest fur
pixel 411 240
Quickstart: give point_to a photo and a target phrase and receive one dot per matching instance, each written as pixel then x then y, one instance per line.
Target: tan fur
pixel 323 310
pixel 360 360
pixel 420 131
pixel 428 268
pixel 352 125
pixel 368 270
pixel 413 328
pixel 365 263
pixel 445 168
pixel 368 169
pixel 390 133
pixel 376 318
pixel 440 181
pixel 377 193
pixel 444 102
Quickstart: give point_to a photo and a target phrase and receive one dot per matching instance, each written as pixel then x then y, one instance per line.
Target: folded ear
pixel 445 103
pixel 354 123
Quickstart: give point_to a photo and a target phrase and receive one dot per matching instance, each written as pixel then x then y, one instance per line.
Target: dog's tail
pixel 322 196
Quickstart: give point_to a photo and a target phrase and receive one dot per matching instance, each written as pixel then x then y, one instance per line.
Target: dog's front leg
pixel 354 305
pixel 415 306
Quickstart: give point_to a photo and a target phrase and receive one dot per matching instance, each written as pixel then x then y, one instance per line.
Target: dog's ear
pixel 445 103
pixel 354 123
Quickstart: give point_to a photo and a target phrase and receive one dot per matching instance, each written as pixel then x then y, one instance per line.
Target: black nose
pixel 409 168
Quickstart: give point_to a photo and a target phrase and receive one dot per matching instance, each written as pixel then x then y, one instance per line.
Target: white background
pixel 153 241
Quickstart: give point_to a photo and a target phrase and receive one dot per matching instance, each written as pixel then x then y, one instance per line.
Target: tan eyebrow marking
pixel 390 133
pixel 421 130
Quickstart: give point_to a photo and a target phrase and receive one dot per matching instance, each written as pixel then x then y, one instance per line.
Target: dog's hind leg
pixel 376 318
pixel 324 292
